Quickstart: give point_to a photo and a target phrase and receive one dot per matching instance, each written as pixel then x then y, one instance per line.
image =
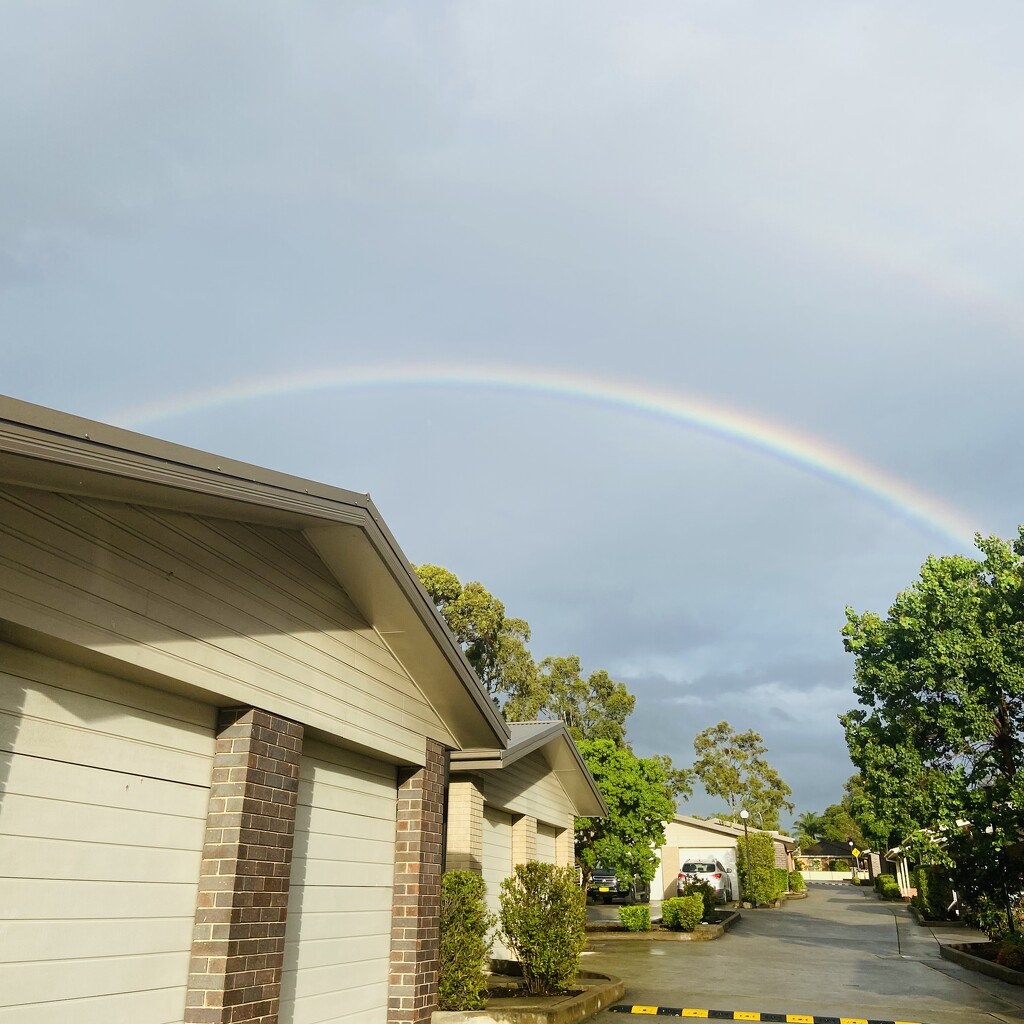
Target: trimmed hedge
pixel 464 943
pixel 544 923
pixel 781 880
pixel 635 919
pixel 682 913
pixel 796 882
pixel 759 882
pixel 887 886
pixel 934 891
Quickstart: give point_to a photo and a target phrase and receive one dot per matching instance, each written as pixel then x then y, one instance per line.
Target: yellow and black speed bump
pixel 780 1018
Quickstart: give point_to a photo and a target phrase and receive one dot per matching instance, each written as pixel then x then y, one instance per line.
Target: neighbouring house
pixel 826 859
pixel 690 838
pixel 228 712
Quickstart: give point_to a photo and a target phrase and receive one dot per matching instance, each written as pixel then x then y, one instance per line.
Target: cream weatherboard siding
pixel 528 787
pixel 547 851
pixel 497 861
pixel 105 786
pixel 244 612
pixel 338 935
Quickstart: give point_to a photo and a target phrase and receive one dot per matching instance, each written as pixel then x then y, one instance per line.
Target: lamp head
pixel 744 814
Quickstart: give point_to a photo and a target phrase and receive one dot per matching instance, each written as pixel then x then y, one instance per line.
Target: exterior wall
pixel 417 894
pixel 246 614
pixel 238 945
pixel 565 844
pixel 669 871
pixel 524 839
pixel 547 844
pixel 528 787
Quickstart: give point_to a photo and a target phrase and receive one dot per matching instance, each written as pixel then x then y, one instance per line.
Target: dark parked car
pixel 606 885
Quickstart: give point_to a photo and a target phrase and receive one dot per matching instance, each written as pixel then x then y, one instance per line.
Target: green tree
pixel 732 765
pixel 809 824
pixel 639 799
pixel 939 733
pixel 494 644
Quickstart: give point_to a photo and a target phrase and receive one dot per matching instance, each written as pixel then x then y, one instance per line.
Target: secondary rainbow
pixel 771 438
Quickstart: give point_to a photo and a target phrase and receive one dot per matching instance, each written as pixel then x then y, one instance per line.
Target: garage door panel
pixel 102 824
pixel 23 983
pixel 338 939
pixel 315 927
pixel 50 899
pixel 341 955
pixel 338 899
pixel 39 940
pixel 46 858
pixel 29 816
pixel 159 1006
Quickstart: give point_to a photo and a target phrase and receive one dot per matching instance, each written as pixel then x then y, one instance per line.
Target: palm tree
pixel 809 824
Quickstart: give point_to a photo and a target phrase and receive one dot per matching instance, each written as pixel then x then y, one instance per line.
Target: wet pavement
pixel 840 952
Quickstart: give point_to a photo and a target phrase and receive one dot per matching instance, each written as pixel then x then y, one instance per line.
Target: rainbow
pixel 806 452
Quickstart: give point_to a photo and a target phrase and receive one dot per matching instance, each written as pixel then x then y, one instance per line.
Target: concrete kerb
pixel 960 954
pixel 599 991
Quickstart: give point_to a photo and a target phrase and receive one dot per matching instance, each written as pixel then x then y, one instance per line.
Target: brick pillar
pixel 465 825
pixel 238 941
pixel 412 988
pixel 524 839
pixel 565 844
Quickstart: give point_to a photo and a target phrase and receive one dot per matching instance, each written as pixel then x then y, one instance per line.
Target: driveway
pixel 840 952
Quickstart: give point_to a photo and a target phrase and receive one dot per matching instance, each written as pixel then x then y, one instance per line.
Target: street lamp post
pixel 744 814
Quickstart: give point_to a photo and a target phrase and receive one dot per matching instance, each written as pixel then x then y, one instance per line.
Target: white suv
pixel 711 871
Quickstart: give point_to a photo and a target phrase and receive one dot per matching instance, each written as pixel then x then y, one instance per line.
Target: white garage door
pixel 547 843
pixel 497 864
pixel 338 938
pixel 105 789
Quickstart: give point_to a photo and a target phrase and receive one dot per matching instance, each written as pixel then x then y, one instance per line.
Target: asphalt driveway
pixel 840 952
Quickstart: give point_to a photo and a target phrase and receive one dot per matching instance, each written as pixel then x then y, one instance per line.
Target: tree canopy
pixel 639 799
pixel 732 765
pixel 938 736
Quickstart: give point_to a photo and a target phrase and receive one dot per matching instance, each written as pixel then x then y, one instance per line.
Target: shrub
pixel 781 880
pixel 888 887
pixel 934 891
pixel 988 916
pixel 635 919
pixel 464 943
pixel 682 913
pixel 543 922
pixel 1011 952
pixel 758 882
pixel 796 882
pixel 703 889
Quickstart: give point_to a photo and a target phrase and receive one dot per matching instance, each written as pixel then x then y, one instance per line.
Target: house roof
pixel 732 828
pixel 552 740
pixel 45 449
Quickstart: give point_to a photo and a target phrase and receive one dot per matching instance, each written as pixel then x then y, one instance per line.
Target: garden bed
pixel 927 922
pixel 509 1003
pixel 702 933
pixel 980 957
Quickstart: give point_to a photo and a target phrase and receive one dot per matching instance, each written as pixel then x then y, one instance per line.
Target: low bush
pixel 464 944
pixel 698 886
pixel 796 882
pixel 543 922
pixel 682 913
pixel 635 919
pixel 888 887
pixel 1011 952
pixel 781 880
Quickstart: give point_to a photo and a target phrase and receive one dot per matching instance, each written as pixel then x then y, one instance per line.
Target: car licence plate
pixel 604 888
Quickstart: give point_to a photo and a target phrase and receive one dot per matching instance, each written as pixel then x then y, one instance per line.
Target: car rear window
pixel 692 867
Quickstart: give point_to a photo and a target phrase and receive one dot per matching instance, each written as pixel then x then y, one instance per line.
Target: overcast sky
pixel 318 237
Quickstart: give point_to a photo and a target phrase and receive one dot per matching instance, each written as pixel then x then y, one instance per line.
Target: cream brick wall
pixel 524 839
pixel 465 850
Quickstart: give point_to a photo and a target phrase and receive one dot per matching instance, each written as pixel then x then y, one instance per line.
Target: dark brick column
pixel 412 991
pixel 238 942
